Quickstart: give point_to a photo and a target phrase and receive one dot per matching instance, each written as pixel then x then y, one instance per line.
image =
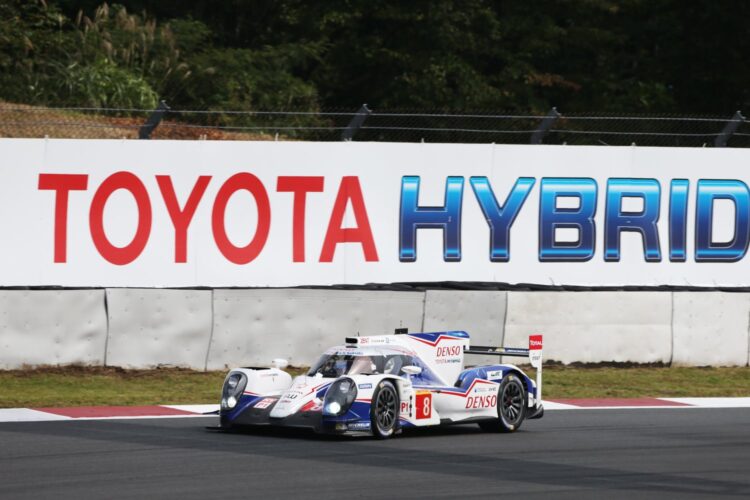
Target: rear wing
pixel 534 353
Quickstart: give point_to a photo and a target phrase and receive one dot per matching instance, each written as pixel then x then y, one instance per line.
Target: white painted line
pixel 551 405
pixel 194 408
pixel 28 415
pixel 712 402
pixel 651 407
pixel 139 417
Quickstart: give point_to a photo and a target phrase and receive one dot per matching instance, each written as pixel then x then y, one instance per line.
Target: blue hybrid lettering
pixel 581 218
pixel 678 204
pixel 500 218
pixel 708 191
pixel 447 218
pixel 643 222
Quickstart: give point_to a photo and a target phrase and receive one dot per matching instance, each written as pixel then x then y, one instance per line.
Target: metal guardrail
pixel 367 124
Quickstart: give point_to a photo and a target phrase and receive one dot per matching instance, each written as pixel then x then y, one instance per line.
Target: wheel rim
pixel 385 408
pixel 512 402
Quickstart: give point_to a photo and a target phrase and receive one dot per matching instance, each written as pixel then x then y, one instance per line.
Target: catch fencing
pixel 382 125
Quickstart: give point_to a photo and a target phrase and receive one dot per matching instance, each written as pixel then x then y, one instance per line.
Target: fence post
pixel 355 123
pixel 543 128
pixel 153 121
pixel 729 129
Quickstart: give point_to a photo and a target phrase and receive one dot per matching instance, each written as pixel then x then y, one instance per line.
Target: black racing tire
pixel 512 401
pixel 384 410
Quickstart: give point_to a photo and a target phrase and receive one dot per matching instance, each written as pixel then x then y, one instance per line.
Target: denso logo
pixel 481 401
pixel 443 352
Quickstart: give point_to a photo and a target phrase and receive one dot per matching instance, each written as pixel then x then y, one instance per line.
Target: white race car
pixel 382 384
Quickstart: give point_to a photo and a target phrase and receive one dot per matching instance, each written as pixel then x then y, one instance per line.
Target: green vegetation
pixel 77 386
pixel 96 386
pixel 634 382
pixel 636 56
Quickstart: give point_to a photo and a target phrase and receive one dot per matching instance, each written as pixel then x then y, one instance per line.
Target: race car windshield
pixel 336 365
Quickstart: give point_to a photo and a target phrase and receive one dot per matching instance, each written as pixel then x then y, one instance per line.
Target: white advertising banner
pixel 204 213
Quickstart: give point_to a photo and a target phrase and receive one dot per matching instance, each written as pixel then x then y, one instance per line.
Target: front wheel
pixel 511 406
pixel 384 410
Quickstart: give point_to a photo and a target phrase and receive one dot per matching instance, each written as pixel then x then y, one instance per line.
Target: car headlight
pixel 234 386
pixel 340 397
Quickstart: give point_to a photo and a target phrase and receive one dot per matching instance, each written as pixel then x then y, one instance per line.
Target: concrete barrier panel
pixel 711 328
pixel 251 327
pixel 481 314
pixel 593 326
pixel 151 327
pixel 52 327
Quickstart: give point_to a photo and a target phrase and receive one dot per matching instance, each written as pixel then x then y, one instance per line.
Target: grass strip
pixel 95 386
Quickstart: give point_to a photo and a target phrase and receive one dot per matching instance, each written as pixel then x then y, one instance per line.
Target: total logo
pixel 535 342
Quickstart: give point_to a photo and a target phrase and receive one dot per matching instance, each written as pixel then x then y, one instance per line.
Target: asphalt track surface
pixel 648 453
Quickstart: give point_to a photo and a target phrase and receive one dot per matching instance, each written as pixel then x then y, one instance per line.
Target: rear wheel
pixel 384 410
pixel 511 406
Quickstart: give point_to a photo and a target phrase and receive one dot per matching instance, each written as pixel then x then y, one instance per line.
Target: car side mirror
pixel 279 363
pixel 411 370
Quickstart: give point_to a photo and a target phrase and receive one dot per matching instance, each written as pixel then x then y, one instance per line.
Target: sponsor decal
pixel 443 352
pixel 291 395
pixel 350 352
pixel 424 405
pixel 359 426
pixel 535 350
pixel 380 340
pixel 446 361
pixel 535 342
pixel 314 405
pixel 448 354
pixel 406 407
pixel 264 403
pixel 494 374
pixel 474 402
pixel 365 386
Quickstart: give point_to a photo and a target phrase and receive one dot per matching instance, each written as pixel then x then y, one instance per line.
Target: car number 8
pixel 424 405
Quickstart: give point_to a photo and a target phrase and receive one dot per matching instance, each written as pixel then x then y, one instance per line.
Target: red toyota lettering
pixel 250 183
pixel 349 190
pixel 181 217
pixel 127 254
pixel 300 186
pixel 62 185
